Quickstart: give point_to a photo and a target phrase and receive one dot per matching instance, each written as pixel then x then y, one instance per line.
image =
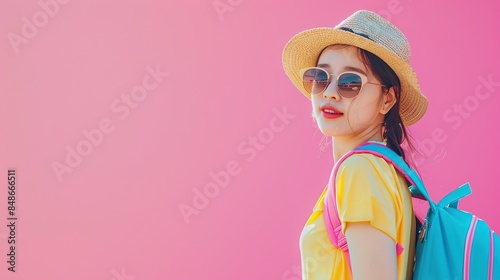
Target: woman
pixel 362 89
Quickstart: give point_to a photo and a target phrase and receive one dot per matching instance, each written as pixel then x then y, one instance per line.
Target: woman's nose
pixel 331 91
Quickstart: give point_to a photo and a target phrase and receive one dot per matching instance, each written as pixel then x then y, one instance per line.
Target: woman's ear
pixel 389 99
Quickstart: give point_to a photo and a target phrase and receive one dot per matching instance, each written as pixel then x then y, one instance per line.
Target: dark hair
pixel 394 129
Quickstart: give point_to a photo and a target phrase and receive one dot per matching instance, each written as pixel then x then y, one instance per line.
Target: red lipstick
pixel 329 112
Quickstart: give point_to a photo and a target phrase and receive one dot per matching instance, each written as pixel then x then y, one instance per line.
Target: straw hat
pixel 369 31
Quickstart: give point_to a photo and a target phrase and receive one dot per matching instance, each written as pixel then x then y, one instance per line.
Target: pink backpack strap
pixel 331 216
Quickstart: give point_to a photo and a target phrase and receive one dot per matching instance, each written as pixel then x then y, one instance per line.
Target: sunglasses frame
pixel 364 80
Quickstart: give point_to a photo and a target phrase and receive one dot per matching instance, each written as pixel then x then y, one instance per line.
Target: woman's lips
pixel 329 112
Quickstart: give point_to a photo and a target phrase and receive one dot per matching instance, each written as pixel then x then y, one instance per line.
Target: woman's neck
pixel 341 145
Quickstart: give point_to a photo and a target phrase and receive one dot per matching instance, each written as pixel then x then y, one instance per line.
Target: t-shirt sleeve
pixel 364 195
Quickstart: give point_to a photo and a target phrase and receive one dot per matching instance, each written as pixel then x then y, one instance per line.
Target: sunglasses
pixel 316 80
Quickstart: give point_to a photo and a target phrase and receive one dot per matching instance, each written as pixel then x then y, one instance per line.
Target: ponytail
pixel 394 131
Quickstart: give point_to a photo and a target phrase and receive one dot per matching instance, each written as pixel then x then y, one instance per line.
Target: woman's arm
pixel 372 252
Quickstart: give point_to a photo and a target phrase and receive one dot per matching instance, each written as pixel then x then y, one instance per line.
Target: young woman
pixel 362 89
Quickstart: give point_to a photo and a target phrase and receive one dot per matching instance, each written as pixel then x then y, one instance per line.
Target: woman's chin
pixel 329 131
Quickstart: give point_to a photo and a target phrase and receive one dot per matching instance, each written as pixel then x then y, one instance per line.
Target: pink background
pixel 116 214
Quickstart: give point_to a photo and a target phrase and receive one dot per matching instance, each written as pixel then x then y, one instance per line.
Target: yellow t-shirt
pixel 370 190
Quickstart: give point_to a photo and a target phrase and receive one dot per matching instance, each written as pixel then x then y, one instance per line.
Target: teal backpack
pixel 451 243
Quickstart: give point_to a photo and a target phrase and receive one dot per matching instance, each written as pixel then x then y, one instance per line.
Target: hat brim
pixel 304 48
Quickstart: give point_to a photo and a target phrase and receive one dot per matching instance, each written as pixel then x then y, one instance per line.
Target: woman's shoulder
pixel 364 161
pixel 369 169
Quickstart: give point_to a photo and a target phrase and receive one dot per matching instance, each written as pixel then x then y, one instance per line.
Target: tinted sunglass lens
pixel 315 80
pixel 349 85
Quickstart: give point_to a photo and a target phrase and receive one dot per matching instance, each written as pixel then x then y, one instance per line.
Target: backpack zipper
pixel 423 231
